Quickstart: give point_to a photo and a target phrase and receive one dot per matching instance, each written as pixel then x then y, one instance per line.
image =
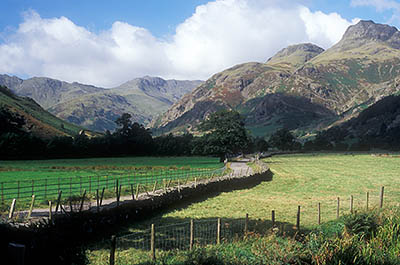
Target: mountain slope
pixel 97 108
pixel 38 121
pixel 341 81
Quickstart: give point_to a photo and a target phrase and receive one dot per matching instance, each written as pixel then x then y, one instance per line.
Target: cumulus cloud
pixel 218 35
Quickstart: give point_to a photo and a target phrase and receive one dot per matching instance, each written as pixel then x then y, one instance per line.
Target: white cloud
pixel 218 35
pixel 381 6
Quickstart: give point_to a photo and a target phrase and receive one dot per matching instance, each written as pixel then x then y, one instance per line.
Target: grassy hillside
pixel 40 122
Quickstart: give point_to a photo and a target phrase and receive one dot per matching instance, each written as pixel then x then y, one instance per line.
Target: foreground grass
pixel 363 238
pixel 302 179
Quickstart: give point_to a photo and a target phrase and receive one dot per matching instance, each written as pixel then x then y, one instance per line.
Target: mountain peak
pixel 366 31
pixel 296 54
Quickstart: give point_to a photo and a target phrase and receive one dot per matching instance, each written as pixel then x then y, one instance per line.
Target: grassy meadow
pixel 32 176
pixel 298 179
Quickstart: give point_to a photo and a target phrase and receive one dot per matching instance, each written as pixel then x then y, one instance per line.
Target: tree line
pixel 222 134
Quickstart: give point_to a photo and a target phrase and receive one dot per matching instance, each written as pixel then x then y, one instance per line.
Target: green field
pixel 45 178
pixel 301 179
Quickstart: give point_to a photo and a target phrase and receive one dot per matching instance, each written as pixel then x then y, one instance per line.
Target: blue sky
pixel 106 43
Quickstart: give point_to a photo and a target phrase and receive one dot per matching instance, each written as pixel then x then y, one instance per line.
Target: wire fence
pixel 186 235
pixel 49 188
pixel 181 236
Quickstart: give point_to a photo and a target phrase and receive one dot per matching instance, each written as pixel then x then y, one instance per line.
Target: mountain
pixel 38 121
pixel 97 108
pixel 302 87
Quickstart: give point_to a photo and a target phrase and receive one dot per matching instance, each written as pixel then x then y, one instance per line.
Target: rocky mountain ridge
pixel 363 67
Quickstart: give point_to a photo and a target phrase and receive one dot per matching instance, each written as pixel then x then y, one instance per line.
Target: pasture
pixel 306 180
pixel 298 179
pixel 45 178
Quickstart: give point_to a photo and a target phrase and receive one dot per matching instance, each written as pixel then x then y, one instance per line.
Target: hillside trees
pixel 224 134
pixel 284 140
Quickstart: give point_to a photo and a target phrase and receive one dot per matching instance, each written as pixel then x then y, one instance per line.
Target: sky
pixel 106 43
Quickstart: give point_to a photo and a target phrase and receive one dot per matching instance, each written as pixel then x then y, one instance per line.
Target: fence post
pixel 97 200
pixel 381 197
pixel 319 213
pixel 337 209
pixel 58 200
pixel 31 208
pixel 10 215
pixel 191 241
pixel 351 204
pixel 50 215
pixel 117 191
pixel 273 218
pixel 218 231
pixel 298 218
pixel 195 182
pixel 152 243
pixel 33 185
pixel 367 200
pixel 133 194
pixel 112 250
pixel 246 224
pixel 83 200
pixel 102 195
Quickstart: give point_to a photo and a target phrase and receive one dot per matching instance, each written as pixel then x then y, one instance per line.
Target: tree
pixel 283 139
pixel 224 134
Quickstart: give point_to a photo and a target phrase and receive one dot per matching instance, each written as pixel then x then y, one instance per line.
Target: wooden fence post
pixel 298 218
pixel 273 218
pixel 246 224
pixel 50 214
pixel 319 213
pixel 218 231
pixel 83 200
pixel 58 200
pixel 381 197
pixel 152 243
pixel 31 208
pixel 367 199
pixel 33 186
pixel 112 249
pixel 191 241
pixel 11 214
pixel 338 208
pixel 97 200
pixel 351 204
pixel 101 198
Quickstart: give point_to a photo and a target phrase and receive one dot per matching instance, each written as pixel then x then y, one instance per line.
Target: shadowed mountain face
pixel 302 87
pixel 37 120
pixel 97 108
